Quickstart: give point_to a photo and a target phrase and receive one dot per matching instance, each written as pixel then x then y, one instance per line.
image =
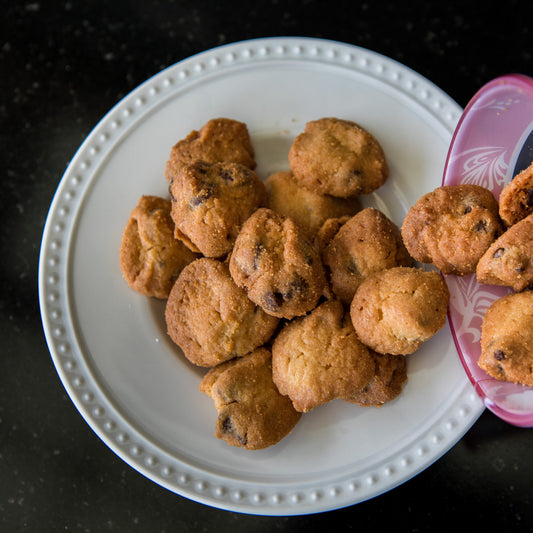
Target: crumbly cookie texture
pixel 252 414
pixel 395 311
pixel 318 358
pixel 507 339
pixel 366 243
pixel 309 209
pixel 150 258
pixel 210 202
pixel 389 379
pixel 219 140
pixel 516 198
pixel 509 260
pixel 451 227
pixel 211 319
pixel 277 265
pixel 338 157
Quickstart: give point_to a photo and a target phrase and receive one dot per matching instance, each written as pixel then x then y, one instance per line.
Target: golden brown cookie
pixel 388 381
pixel 366 243
pixel 318 358
pixel 252 414
pixel 150 257
pixel 452 227
pixel 219 140
pixel 210 202
pixel 277 265
pixel 210 318
pixel 338 157
pixel 507 339
pixel 516 198
pixel 394 311
pixel 509 260
pixel 307 208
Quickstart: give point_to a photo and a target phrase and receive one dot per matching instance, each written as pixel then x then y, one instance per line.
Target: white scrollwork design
pixel 485 166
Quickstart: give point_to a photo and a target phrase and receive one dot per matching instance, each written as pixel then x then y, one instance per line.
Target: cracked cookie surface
pixel 252 413
pixel 212 319
pixel 396 310
pixel 507 339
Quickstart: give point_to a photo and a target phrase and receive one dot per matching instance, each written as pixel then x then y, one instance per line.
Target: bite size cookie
pixel 218 140
pixel 507 339
pixel 318 358
pixel 150 257
pixel 388 381
pixel 210 201
pixel 366 243
pixel 509 260
pixel 451 227
pixel 277 265
pixel 307 208
pixel 252 414
pixel 210 318
pixel 516 198
pixel 395 311
pixel 338 157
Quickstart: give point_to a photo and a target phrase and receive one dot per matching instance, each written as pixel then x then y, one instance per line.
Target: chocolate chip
pixel 272 301
pixel 201 197
pixel 499 252
pixel 226 426
pixel 257 251
pixel 296 287
pixel 499 355
pixel 226 175
pixel 467 210
pixel 480 226
pixel 529 197
pixel 520 269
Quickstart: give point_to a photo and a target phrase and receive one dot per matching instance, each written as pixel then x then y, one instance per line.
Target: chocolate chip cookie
pixel 219 140
pixel 277 265
pixel 507 339
pixel 252 414
pixel 309 209
pixel 150 258
pixel 389 378
pixel 210 202
pixel 210 318
pixel 338 157
pixel 509 260
pixel 395 311
pixel 318 358
pixel 516 198
pixel 366 243
pixel 451 227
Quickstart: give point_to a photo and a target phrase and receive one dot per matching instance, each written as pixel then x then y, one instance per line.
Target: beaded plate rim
pixel 137 449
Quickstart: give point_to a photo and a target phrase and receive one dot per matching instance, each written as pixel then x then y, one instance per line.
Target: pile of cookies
pixel 286 290
pixel 463 230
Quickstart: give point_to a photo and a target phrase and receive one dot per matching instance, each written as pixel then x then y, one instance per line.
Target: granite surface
pixel 63 65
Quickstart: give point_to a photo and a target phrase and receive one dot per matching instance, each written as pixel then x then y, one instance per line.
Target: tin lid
pixel 492 143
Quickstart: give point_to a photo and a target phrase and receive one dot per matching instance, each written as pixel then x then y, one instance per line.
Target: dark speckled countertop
pixel 64 64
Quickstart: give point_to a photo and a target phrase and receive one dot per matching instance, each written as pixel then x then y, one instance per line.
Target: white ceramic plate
pixel 131 383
